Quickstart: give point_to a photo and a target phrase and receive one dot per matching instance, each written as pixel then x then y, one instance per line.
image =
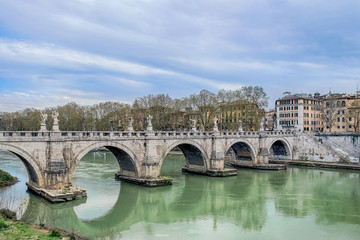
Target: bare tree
pixel 329 115
pixel 354 114
pixel 205 103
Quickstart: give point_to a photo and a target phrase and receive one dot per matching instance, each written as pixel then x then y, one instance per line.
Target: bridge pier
pixel 64 194
pixel 226 172
pixel 150 179
pixel 57 185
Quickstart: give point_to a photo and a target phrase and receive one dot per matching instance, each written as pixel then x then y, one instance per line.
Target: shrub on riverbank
pixel 6 179
pixel 5 213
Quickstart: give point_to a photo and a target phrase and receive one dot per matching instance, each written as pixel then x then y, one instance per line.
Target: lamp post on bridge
pixel 0 123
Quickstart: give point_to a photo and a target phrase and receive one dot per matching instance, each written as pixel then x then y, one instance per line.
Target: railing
pixel 136 134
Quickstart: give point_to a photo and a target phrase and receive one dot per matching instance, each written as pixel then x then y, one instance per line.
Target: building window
pixel 338 111
pixel 343 104
pixel 338 104
pixel 338 119
pixel 350 126
pixel 296 107
pixel 350 119
pixel 343 127
pixel 343 119
pixel 338 127
pixel 296 114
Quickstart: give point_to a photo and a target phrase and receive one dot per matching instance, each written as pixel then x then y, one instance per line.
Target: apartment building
pixel 332 112
pixel 300 112
pixel 341 112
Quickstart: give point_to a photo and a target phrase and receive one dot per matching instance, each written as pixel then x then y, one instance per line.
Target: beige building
pixel 341 112
pixel 300 112
pixel 326 113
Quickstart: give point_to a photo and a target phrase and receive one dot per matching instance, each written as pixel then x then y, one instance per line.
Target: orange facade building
pixel 300 112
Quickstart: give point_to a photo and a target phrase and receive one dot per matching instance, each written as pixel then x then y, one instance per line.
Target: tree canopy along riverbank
pixel 229 106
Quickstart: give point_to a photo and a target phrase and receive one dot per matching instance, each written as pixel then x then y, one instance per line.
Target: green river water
pixel 299 203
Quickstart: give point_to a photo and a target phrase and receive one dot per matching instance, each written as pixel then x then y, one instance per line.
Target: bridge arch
pixel 127 160
pixel 280 148
pixel 194 153
pixel 31 165
pixel 242 150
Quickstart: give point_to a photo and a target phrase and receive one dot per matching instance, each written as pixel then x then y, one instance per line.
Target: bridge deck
pixel 10 135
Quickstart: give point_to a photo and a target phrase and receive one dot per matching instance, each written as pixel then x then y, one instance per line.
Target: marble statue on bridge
pixel 194 125
pixel 240 126
pixel 55 126
pixel 149 126
pixel 216 129
pixel 130 127
pixel 43 121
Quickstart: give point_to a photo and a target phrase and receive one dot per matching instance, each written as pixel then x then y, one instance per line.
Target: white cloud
pixel 50 55
pixel 55 56
pixel 131 48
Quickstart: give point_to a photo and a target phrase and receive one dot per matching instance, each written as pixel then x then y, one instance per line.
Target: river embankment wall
pixel 327 147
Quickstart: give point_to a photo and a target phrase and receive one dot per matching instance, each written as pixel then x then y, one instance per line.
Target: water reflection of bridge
pixel 240 200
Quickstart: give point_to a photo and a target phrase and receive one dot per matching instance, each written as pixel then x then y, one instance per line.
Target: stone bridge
pixel 51 157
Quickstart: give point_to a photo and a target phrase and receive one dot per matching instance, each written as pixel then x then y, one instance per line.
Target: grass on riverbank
pixel 6 179
pixel 13 229
pixel 10 229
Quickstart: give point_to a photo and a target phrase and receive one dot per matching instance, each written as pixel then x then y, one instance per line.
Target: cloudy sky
pixel 88 51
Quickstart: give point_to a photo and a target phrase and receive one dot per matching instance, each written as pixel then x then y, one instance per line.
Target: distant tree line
pixel 229 106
